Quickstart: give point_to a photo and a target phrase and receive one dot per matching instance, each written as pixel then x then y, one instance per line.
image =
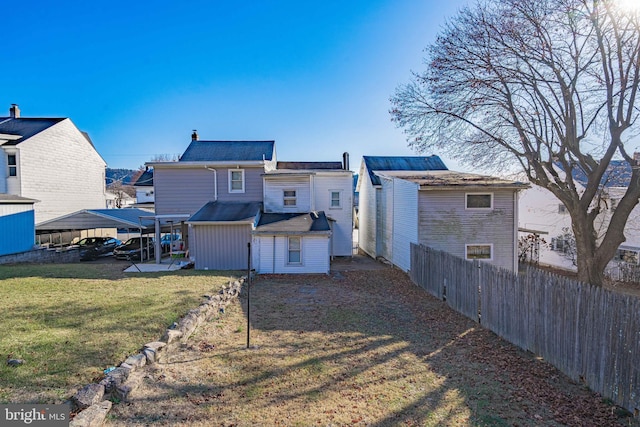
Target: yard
pixel 357 348
pixel 69 322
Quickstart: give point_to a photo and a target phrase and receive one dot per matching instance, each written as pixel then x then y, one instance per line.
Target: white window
pixel 294 250
pixel 479 201
pixel 483 252
pixel 289 198
pixel 335 199
pixel 236 180
pixel 12 162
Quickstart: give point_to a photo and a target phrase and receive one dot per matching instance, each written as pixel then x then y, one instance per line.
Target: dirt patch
pixel 362 348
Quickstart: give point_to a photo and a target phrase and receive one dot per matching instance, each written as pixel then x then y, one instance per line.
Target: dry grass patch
pixel 368 349
pixel 68 322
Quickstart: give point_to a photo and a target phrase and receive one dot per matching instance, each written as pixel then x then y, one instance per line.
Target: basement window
pixel 479 201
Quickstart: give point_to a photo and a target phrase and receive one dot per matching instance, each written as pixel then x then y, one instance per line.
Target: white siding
pixel 274 192
pixel 342 231
pixel 384 237
pixel 367 215
pixel 273 255
pixel 405 222
pixel 62 170
pixel 446 225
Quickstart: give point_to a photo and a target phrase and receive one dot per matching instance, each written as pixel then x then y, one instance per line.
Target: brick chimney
pixel 14 111
pixel 194 135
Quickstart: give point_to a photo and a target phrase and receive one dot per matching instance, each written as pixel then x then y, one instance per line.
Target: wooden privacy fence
pixel 589 333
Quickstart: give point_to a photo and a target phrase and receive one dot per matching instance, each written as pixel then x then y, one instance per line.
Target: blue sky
pixel 139 76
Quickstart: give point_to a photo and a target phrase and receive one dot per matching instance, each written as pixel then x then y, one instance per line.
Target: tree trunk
pixel 590 265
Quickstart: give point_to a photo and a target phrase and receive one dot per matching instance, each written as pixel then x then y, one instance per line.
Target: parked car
pixel 91 248
pixel 169 240
pixel 130 250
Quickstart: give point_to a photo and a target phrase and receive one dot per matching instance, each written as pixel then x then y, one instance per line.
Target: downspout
pixel 515 231
pixel 215 183
pixel 273 256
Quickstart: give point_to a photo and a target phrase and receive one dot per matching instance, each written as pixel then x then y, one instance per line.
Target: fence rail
pixel 589 333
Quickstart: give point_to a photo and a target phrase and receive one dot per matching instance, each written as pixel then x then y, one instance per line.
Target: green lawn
pixel 70 321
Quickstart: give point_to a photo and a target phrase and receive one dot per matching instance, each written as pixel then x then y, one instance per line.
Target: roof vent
pixel 14 111
pixel 194 135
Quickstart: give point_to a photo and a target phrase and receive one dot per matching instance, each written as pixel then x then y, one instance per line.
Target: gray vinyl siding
pixel 405 222
pixel 445 224
pixel 185 190
pixel 220 247
pixel 274 194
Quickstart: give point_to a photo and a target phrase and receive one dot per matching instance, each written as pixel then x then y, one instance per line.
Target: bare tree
pixel 549 84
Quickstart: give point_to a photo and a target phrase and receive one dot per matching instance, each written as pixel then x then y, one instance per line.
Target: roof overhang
pixel 241 222
pixel 211 164
pixel 88 219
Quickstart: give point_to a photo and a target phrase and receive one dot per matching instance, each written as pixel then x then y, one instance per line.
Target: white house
pixel 544 215
pixel 468 215
pixel 307 217
pixel 50 160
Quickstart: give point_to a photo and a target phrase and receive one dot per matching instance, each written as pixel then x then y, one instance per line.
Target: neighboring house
pixel 544 215
pixel 145 192
pixel 117 199
pixel 468 215
pixel 307 217
pixel 17 224
pixel 371 222
pixel 50 160
pixel 296 214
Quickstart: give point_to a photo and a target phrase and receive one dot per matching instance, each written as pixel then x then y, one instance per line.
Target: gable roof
pixel 25 127
pixel 228 151
pixel 145 180
pixel 227 212
pixel 441 179
pixel 397 163
pixel 292 223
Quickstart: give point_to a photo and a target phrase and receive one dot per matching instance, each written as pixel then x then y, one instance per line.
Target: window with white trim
pixel 294 249
pixel 289 198
pixel 236 180
pixel 479 201
pixel 335 199
pixel 12 162
pixel 482 252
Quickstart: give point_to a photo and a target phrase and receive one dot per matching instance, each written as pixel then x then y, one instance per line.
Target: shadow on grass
pixel 371 344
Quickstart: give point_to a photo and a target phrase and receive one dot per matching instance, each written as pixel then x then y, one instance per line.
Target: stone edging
pixel 92 401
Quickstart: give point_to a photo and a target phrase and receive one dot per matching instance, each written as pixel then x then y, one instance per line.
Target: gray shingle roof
pixel 310 165
pixel 452 179
pixel 396 163
pixel 293 223
pixel 145 180
pixel 26 127
pixel 227 211
pixel 228 151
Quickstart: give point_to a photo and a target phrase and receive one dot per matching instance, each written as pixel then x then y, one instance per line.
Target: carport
pixel 131 218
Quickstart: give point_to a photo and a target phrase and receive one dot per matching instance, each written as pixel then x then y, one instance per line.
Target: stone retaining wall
pixel 92 402
pixel 41 256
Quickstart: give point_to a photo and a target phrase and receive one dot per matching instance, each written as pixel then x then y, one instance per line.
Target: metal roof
pixel 227 212
pixel 618 174
pixel 291 223
pixel 25 127
pixel 226 151
pixel 398 163
pixel 100 218
pixel 452 179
